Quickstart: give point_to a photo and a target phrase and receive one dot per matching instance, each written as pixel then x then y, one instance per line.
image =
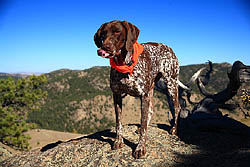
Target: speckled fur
pixel 157 60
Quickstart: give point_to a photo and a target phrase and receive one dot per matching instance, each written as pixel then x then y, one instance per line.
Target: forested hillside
pixel 81 100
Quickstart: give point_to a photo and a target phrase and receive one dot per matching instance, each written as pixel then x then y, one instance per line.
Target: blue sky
pixel 46 35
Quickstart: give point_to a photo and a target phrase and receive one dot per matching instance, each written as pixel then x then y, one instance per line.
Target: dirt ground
pixel 42 137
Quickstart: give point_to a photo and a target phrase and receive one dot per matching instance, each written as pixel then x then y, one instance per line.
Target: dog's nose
pixel 100 52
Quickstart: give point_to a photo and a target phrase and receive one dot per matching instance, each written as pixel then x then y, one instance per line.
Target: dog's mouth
pixel 107 54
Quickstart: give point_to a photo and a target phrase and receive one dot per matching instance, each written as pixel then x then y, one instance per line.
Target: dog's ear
pixel 98 37
pixel 132 35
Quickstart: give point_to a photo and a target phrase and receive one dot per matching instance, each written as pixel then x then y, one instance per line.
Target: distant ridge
pixel 17 75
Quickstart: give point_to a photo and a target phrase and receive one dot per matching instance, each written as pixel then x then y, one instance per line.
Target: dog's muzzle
pixel 105 54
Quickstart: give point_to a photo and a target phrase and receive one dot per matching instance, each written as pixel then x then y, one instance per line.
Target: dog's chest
pixel 154 59
pixel 135 85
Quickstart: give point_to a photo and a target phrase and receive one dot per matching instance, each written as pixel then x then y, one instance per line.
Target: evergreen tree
pixel 17 99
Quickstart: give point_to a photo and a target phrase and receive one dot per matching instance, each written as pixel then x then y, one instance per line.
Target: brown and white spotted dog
pixel 115 40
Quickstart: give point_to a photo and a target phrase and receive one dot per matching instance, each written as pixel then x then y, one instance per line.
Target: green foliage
pixel 17 98
pixel 12 128
pixel 65 86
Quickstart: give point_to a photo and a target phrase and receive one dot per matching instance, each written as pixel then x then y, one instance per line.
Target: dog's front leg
pixel 146 114
pixel 118 115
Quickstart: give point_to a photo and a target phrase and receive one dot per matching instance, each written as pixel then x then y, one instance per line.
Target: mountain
pixel 81 101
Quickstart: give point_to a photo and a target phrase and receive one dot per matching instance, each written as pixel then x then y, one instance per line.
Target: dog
pixel 135 68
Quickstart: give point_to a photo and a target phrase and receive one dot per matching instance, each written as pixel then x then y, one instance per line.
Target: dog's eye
pixel 117 32
pixel 102 38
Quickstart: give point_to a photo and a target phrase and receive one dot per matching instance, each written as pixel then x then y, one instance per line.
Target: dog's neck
pixel 125 58
pixel 119 59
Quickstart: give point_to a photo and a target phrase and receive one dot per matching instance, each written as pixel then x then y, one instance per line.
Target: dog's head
pixel 115 39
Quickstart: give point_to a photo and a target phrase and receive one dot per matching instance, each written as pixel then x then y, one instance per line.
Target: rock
pixel 162 150
pixel 4 153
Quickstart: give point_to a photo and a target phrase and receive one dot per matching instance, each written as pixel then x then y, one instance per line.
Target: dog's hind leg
pixel 171 108
pixel 118 114
pixel 173 100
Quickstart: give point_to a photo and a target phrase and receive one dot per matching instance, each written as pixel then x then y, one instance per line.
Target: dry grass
pixel 42 137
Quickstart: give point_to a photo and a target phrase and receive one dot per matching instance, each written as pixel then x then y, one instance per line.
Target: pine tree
pixel 17 99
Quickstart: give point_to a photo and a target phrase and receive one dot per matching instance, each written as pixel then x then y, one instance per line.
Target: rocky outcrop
pixel 191 148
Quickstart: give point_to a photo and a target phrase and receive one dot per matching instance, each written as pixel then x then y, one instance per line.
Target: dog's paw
pixel 173 131
pixel 139 151
pixel 117 144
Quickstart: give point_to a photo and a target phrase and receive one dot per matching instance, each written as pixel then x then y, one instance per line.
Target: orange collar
pixel 138 49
